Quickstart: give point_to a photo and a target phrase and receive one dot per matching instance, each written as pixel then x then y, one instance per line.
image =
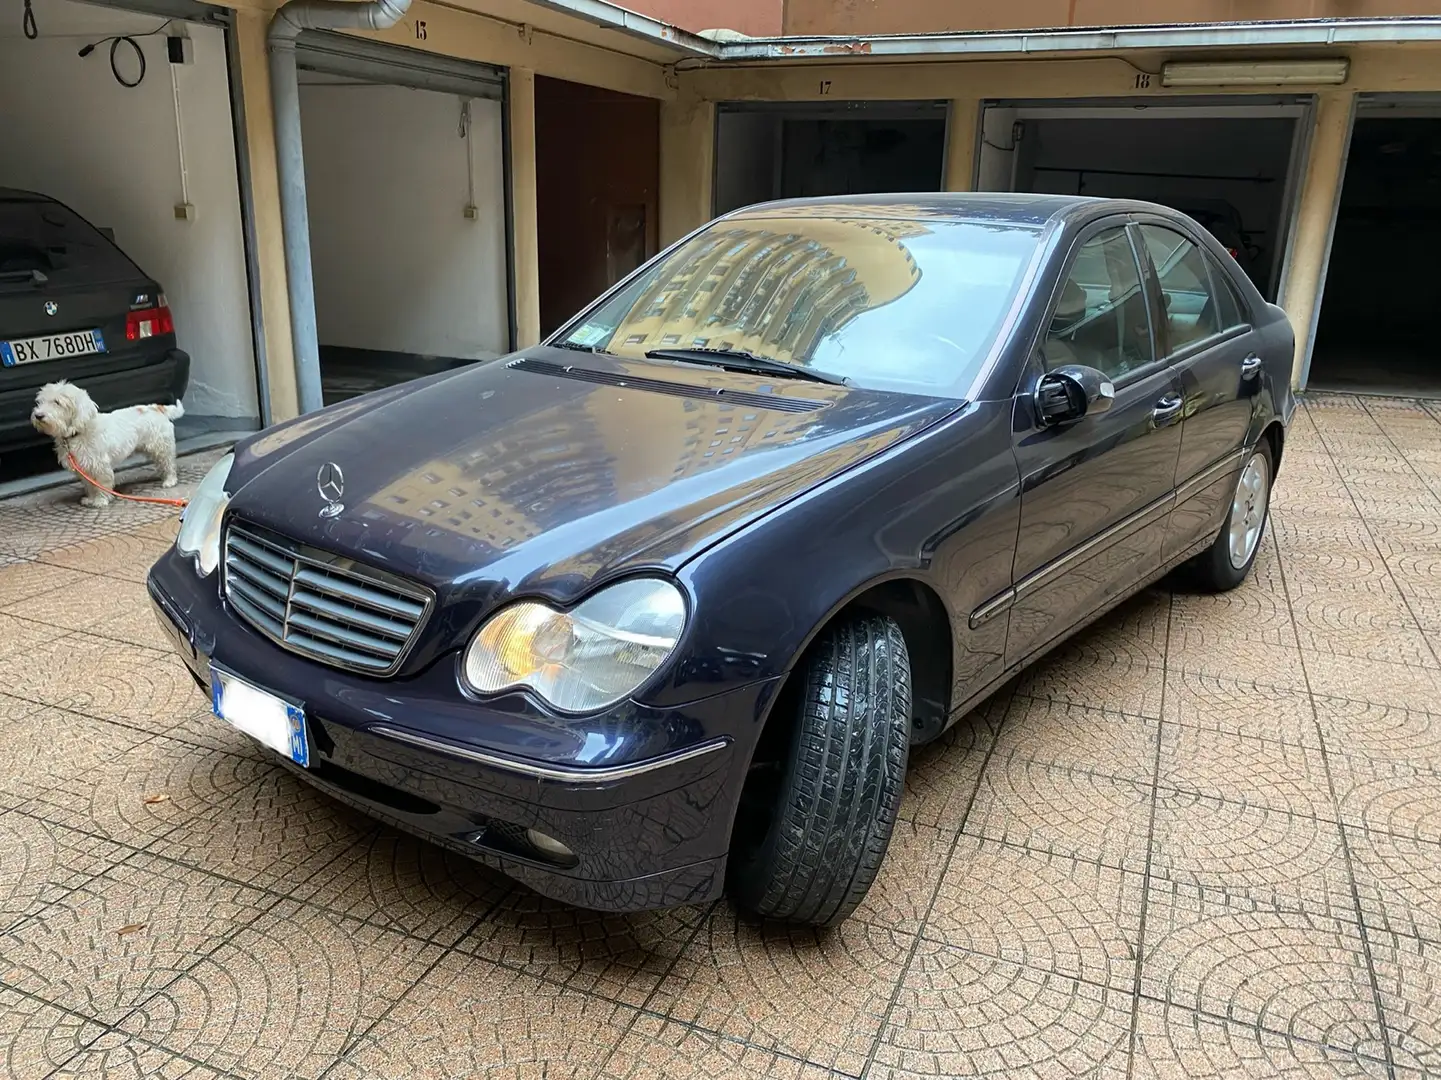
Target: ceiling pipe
pixel 285 28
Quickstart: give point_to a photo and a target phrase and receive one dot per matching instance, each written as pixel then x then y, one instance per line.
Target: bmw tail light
pixel 149 323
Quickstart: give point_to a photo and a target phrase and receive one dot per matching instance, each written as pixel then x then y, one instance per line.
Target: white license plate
pixel 264 717
pixel 51 347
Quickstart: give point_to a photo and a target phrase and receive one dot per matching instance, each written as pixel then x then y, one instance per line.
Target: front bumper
pixel 646 832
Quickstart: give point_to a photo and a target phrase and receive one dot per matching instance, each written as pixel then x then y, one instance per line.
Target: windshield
pixel 886 302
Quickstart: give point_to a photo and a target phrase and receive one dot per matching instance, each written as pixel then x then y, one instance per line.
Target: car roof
pixel 1021 209
pixel 19 195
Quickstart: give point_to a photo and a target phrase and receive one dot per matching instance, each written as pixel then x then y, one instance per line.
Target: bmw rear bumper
pixel 160 380
pixel 646 833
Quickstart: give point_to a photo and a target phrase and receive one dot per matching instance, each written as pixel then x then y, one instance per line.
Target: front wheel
pixel 1225 564
pixel 823 790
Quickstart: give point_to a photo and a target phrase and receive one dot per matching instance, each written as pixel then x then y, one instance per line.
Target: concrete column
pixel 961 130
pixel 254 76
pixel 524 210
pixel 687 166
pixel 1305 272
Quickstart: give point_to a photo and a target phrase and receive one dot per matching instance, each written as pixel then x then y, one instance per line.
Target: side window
pixel 1193 311
pixel 1230 308
pixel 1100 318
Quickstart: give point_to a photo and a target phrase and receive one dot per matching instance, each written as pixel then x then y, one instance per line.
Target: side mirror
pixel 107 232
pixel 1071 392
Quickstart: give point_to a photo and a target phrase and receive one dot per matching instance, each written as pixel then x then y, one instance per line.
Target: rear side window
pixel 1195 308
pixel 36 234
pixel 1230 308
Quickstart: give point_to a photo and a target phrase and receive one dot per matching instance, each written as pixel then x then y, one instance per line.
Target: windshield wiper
pixel 740 360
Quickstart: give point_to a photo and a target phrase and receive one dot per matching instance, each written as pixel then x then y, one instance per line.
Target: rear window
pixel 53 239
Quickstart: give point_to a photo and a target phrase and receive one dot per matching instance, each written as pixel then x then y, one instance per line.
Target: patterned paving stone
pixel 1076 738
pixel 115 1057
pixel 941 777
pixel 1174 1042
pixel 21 636
pixel 959 1014
pixel 101 606
pixel 1249 857
pixel 151 790
pixel 1114 684
pixel 1381 733
pixel 657 1049
pixel 621 957
pixel 47 747
pixel 1042 911
pixel 406 884
pixel 22 580
pixel 1408 977
pixel 1398 881
pixel 816 996
pixel 1064 812
pixel 36 1038
pixel 285 995
pixel 1232 708
pixel 103 678
pixel 116 941
pixel 40 862
pixel 273 831
pixel 472 1018
pixel 1388 797
pixel 1301 975
pixel 1245 769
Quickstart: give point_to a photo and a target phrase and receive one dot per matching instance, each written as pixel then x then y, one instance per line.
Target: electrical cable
pixel 128 39
pixel 27 22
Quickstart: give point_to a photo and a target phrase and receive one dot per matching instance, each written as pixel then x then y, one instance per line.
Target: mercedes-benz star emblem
pixel 330 482
pixel 51 307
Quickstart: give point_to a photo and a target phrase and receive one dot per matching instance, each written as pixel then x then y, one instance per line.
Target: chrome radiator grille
pixel 323 606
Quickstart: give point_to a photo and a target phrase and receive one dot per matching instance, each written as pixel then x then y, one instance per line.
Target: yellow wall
pixel 582 53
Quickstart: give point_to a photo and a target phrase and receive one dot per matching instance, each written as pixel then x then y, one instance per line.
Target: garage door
pixel 1231 164
pixel 406 185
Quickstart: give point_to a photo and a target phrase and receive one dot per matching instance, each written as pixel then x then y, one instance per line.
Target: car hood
pixel 550 472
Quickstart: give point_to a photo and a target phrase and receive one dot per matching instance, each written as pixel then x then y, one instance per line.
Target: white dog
pixel 101 441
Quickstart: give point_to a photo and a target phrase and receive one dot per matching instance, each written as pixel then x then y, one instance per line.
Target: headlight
pixel 200 524
pixel 583 659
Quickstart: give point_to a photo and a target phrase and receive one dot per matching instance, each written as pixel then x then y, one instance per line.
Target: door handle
pixel 1167 409
pixel 1250 367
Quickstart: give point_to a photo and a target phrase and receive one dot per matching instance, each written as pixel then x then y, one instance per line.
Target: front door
pixel 1207 337
pixel 1095 494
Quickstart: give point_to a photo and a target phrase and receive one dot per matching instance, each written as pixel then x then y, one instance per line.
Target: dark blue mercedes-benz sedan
pixel 663 603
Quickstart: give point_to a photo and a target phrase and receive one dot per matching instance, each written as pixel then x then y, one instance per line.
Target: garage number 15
pixel 421 31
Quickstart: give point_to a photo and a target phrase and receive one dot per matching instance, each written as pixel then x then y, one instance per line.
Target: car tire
pixel 827 813
pixel 1217 569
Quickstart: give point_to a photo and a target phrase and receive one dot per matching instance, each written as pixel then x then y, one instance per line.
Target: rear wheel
pixel 1225 564
pixel 822 793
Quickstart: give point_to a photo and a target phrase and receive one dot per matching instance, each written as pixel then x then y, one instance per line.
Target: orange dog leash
pixel 129 498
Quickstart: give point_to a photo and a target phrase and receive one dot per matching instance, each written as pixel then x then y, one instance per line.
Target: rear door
pixel 1095 494
pixel 1206 336
pixel 61 279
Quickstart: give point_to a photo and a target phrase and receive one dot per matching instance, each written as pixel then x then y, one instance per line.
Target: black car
pixel 73 306
pixel 665 601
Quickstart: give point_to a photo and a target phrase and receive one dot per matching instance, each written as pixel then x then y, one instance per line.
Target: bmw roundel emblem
pixel 51 307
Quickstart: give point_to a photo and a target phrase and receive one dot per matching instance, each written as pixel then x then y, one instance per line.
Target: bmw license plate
pixel 51 347
pixel 261 715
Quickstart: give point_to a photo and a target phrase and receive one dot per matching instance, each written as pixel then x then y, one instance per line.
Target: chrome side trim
pixel 1207 475
pixel 991 608
pixel 1039 577
pixel 564 773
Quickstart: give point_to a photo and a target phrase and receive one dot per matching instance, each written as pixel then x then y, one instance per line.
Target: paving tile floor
pixel 1203 839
